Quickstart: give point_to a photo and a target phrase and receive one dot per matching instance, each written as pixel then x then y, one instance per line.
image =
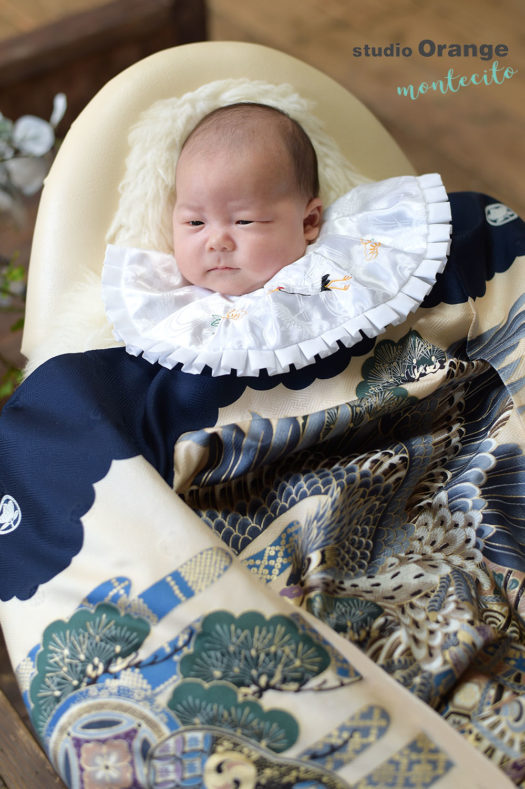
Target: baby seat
pixel 221 576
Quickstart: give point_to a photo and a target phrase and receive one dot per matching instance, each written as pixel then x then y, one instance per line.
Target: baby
pixel 246 198
pixel 243 290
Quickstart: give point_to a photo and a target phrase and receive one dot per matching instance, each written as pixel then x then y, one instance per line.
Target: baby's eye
pixel 244 221
pixel 195 222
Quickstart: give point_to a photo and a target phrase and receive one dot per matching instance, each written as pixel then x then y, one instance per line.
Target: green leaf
pixel 9 381
pixel 15 273
pixel 6 389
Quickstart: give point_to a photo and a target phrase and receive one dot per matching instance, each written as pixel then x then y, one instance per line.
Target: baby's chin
pixel 231 292
pixel 229 289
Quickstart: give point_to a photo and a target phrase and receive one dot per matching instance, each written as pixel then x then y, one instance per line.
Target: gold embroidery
pixel 371 248
pixel 231 315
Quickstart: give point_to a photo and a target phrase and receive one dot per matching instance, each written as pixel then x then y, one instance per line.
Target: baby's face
pixel 238 218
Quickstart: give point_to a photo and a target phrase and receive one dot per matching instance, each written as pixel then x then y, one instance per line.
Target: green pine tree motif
pixel 254 653
pixel 394 364
pixel 76 653
pixel 350 615
pixel 217 704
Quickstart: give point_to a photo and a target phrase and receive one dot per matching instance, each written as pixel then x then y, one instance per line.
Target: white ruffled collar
pixel 377 256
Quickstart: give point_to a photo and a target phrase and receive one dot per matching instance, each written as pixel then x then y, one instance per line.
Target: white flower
pixel 25 156
pixel 6 150
pixel 33 136
pixel 59 109
pixel 27 174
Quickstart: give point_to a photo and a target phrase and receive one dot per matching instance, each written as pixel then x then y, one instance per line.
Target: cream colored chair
pixel 81 193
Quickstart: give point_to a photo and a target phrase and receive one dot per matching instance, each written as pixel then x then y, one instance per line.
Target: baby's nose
pixel 220 240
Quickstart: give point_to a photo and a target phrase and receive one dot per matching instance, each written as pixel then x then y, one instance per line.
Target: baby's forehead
pixel 228 127
pixel 238 173
pixel 219 153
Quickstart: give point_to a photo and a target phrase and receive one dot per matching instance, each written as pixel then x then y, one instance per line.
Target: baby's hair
pixel 233 117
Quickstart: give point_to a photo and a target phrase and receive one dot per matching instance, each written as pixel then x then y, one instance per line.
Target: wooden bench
pixel 23 764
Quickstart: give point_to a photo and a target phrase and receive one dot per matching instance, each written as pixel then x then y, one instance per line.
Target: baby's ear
pixel 313 216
